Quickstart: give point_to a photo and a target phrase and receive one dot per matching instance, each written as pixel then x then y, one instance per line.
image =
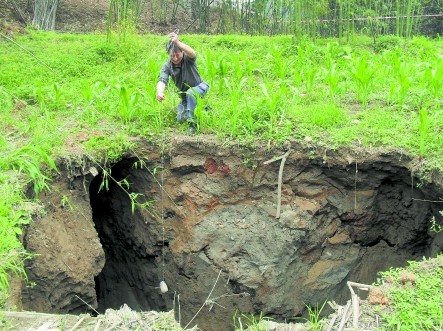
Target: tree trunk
pixel 44 14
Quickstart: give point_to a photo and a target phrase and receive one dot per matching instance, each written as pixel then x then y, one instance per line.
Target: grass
pixel 250 322
pixel 277 91
pixel 416 292
pixel 58 87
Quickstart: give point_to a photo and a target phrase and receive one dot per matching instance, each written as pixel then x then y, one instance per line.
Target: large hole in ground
pixel 133 244
pixel 219 233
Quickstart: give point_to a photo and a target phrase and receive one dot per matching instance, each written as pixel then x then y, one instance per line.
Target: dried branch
pixel 280 178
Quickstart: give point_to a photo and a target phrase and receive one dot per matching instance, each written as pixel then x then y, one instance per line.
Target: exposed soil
pixel 84 16
pixel 212 233
pixel 210 229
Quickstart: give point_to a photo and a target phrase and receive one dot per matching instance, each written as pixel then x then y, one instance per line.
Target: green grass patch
pixel 275 89
pixel 416 294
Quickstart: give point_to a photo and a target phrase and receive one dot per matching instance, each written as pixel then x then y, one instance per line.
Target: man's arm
pixel 184 47
pixel 161 91
pixel 162 82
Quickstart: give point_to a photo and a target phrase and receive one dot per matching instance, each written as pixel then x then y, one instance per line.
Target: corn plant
pixel 151 70
pixel 433 78
pixel 39 95
pixel 362 70
pixel 309 73
pixel 233 111
pixel 403 73
pixel 128 107
pixel 237 67
pixel 332 78
pixel 281 62
pixel 249 67
pixel 272 99
pixel 57 96
pixel 209 66
pixel 86 90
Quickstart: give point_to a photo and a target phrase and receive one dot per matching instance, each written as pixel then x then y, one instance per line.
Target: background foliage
pixel 321 18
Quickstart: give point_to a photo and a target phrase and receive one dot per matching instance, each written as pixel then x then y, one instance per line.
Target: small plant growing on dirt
pixel 314 321
pixel 66 202
pixel 250 322
pixel 437 228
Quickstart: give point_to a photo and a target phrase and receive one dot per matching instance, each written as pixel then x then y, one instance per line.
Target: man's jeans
pixel 185 110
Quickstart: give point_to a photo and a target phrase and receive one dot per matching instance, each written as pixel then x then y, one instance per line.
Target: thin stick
pixel 360 286
pixel 179 309
pixel 280 178
pixel 424 200
pixel 97 325
pixel 345 316
pixel 355 311
pixel 204 303
pixel 355 303
pixel 77 324
pixel 332 322
pixel 87 304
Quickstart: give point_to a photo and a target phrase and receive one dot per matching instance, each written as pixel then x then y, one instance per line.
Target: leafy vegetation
pixel 417 295
pixel 317 19
pixel 250 322
pixel 13 215
pixel 63 89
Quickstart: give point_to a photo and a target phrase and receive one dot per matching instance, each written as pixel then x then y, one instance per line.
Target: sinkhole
pixel 133 244
pixel 213 236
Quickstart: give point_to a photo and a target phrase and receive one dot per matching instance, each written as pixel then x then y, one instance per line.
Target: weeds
pixel 12 217
pixel 250 322
pixel 410 296
pixel 437 228
pixel 314 320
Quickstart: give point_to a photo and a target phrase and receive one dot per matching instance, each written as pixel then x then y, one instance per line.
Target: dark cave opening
pixel 132 246
pixel 387 226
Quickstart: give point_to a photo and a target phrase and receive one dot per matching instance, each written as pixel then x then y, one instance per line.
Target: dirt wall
pixel 210 231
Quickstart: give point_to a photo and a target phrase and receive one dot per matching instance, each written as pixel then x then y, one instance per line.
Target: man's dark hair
pixel 170 46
